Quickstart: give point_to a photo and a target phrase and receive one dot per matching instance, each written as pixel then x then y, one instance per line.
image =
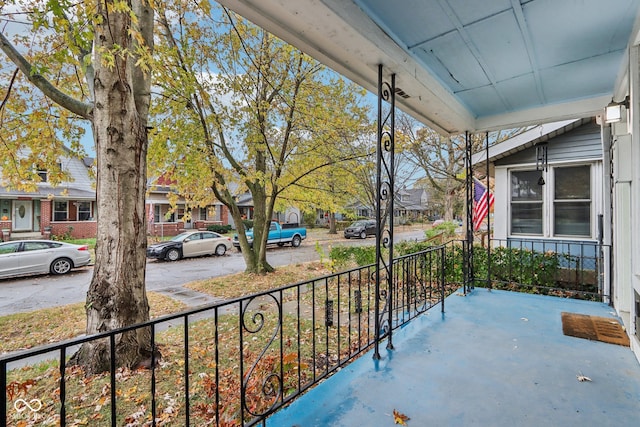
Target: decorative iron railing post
pixel 3 387
pixel 443 261
pixel 384 211
pixel 468 254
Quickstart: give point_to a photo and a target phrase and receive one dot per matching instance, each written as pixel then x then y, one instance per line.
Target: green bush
pixel 309 219
pixel 221 229
pixel 521 269
pixel 508 265
pixel 446 230
pixel 248 223
pixel 341 256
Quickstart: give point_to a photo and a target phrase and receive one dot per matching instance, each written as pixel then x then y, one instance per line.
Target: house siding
pixel 584 143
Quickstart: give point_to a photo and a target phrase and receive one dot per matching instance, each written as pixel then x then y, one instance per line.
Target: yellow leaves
pixel 400 418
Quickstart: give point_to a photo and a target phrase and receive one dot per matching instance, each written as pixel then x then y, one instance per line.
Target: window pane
pixel 35 246
pixel 84 211
pixel 524 185
pixel 526 218
pixel 60 211
pixel 573 183
pixel 9 248
pixel 572 219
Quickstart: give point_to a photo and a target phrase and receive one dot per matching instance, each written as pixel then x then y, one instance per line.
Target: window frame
pixel 79 211
pixel 549 201
pixel 555 201
pixel 541 202
pixel 55 211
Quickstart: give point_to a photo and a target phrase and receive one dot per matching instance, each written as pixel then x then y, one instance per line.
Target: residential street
pixel 37 292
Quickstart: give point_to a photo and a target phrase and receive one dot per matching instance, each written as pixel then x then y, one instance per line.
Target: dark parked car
pixel 190 244
pixel 361 229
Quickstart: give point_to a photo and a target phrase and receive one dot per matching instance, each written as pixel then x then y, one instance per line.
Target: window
pixel 526 203
pixel 9 248
pixel 84 211
pixel 560 208
pixel 572 201
pixel 37 246
pixel 42 173
pixel 60 211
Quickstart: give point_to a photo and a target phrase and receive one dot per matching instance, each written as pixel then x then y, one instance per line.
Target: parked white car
pixel 190 244
pixel 21 257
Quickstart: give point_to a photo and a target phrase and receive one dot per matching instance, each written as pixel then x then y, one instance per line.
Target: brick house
pixel 163 221
pixel 68 209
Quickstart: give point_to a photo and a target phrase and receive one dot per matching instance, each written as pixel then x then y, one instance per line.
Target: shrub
pixel 309 219
pixel 446 230
pixel 341 256
pixel 221 229
pixel 508 265
pixel 248 223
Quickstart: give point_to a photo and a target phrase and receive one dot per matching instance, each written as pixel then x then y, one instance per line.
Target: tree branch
pixel 80 108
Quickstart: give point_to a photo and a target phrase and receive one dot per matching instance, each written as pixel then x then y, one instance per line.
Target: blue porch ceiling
pixel 468 65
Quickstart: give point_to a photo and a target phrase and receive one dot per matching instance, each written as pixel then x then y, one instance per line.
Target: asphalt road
pixel 37 292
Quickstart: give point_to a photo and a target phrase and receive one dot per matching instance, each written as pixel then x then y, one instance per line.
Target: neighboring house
pixel 67 209
pixel 361 209
pixel 163 221
pixel 245 205
pixel 411 204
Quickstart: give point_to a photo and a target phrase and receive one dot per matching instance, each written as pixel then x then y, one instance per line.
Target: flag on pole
pixel 482 202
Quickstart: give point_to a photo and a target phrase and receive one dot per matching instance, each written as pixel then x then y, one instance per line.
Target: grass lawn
pixel 88 398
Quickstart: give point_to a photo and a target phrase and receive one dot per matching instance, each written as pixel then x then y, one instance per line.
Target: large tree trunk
pixel 332 223
pixel 117 296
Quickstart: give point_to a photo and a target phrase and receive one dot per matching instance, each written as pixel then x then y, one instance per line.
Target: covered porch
pixel 461 67
pixel 493 358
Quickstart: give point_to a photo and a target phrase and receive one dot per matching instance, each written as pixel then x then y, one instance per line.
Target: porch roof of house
pixel 463 65
pixel 45 191
pixel 493 358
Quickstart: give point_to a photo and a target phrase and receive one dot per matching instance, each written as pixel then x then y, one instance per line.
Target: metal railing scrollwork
pixel 385 173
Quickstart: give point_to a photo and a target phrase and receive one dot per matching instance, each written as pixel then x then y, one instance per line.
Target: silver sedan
pixel 190 244
pixel 21 257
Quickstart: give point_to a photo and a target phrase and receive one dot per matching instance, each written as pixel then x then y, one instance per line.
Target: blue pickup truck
pixel 278 235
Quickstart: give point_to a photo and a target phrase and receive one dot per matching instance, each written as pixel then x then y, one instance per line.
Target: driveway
pixel 37 292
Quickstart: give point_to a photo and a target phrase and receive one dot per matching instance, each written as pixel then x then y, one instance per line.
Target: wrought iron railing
pixel 573 269
pixel 231 363
pixel 569 269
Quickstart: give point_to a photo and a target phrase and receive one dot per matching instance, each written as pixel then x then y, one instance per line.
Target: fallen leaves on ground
pixel 582 378
pixel 240 284
pixel 400 418
pixel 26 330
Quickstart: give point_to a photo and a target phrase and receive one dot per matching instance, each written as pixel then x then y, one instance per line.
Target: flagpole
pixel 488 215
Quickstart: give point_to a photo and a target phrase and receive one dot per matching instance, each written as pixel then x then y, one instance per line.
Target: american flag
pixel 480 205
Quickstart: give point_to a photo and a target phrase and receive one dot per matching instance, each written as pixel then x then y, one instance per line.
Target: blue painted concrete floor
pixel 495 358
